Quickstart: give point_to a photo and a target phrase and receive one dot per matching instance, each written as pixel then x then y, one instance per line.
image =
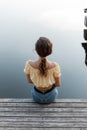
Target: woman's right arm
pixel 57 75
pixel 57 81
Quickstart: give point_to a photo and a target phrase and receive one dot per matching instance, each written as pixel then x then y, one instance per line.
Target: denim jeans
pixel 44 97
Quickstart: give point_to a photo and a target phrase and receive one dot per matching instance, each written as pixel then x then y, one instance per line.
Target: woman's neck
pixel 41 58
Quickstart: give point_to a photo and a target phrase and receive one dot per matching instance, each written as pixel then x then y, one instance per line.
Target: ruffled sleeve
pixel 27 68
pixel 57 72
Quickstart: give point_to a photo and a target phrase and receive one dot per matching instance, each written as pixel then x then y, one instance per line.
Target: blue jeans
pixel 44 97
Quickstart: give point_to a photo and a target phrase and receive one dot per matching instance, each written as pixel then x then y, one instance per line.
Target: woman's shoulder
pixel 52 65
pixel 28 62
pixel 32 63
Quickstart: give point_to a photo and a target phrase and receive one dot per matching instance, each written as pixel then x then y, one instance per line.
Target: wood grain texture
pixel 25 114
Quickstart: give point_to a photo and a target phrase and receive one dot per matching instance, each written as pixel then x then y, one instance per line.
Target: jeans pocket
pixel 36 96
pixel 51 96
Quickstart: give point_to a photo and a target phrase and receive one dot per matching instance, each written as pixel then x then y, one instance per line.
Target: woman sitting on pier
pixel 44 74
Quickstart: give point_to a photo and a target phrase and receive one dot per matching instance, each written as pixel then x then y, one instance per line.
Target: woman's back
pixel 39 80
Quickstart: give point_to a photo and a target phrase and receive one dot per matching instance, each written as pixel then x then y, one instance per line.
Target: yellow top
pixel 42 81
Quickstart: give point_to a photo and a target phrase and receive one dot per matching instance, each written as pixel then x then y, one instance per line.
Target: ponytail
pixel 42 67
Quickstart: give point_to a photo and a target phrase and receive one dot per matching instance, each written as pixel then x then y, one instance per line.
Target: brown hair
pixel 43 48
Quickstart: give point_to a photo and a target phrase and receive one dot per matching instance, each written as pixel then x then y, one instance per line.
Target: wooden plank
pixel 52 105
pixel 46 120
pixel 42 125
pixel 49 110
pixel 46 114
pixel 42 128
pixel 29 100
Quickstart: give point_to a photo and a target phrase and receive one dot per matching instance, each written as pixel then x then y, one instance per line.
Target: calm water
pixel 17 38
pixel 67 51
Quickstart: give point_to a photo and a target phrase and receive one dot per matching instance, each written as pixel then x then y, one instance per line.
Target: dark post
pixel 85 10
pixel 84 45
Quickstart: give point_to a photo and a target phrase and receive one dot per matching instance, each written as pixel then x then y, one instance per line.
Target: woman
pixel 44 74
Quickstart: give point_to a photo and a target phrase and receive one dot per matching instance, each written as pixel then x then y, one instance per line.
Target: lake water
pixel 17 38
pixel 67 51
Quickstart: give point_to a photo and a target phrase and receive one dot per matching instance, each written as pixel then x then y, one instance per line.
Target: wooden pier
pixel 25 114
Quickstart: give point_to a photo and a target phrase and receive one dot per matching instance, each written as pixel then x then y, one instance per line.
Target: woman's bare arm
pixel 57 81
pixel 28 78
